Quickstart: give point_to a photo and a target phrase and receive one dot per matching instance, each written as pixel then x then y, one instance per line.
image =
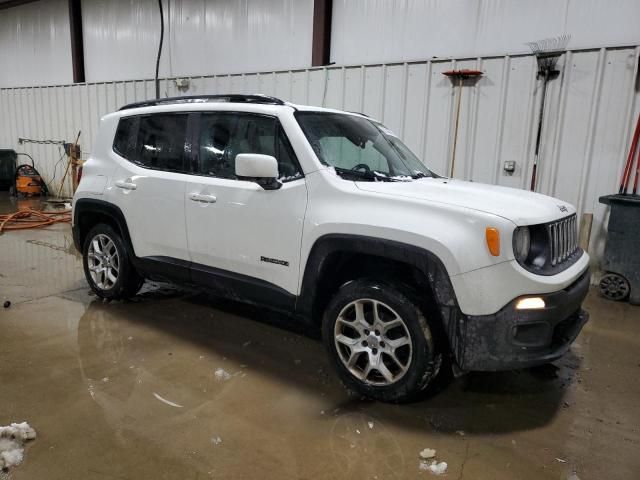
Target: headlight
pixel 521 243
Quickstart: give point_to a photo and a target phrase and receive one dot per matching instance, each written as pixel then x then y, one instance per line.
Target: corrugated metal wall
pixel 201 38
pixel 34 44
pixel 589 115
pixel 365 31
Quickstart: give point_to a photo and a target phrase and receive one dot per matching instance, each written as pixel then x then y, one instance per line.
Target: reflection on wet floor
pixel 176 384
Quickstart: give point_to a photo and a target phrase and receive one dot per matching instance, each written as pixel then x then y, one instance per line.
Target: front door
pixel 238 232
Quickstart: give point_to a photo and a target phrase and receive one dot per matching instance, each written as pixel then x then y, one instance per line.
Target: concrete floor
pixel 129 390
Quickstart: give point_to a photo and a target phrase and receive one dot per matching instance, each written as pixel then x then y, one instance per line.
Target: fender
pixel 86 205
pixel 428 264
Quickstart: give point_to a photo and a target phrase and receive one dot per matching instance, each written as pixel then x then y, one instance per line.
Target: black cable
pixel 33 164
pixel 159 49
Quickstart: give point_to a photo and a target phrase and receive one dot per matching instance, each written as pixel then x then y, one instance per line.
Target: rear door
pixel 236 229
pixel 150 181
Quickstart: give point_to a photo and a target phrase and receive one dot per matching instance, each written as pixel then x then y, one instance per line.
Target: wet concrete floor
pixel 178 385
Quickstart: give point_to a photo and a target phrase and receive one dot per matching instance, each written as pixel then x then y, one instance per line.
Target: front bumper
pixel 513 338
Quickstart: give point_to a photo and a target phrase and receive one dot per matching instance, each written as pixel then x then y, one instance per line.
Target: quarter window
pixel 153 141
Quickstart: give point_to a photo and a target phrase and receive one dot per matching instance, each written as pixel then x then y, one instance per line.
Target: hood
pixel 519 206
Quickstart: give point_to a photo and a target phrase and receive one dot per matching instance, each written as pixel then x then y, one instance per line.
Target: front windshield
pixel 360 148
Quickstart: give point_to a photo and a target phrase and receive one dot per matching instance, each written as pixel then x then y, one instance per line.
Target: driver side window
pixel 224 135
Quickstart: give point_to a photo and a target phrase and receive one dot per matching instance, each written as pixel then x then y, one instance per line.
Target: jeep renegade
pixel 327 216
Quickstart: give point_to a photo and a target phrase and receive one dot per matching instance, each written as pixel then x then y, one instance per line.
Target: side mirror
pixel 263 169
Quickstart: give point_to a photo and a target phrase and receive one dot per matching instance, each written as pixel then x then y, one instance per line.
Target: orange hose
pixel 31 218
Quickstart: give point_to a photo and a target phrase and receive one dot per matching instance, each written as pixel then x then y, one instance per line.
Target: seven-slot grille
pixel 563 239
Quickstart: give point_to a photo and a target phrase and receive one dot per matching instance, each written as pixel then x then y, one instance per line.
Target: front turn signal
pixel 493 240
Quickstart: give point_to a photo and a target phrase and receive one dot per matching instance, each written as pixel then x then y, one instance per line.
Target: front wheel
pixel 379 341
pixel 107 265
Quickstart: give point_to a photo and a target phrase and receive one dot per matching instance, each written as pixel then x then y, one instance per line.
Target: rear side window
pixel 153 141
pixel 124 142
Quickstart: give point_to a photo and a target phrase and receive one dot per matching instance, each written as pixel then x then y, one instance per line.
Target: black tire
pixel 128 280
pixel 423 362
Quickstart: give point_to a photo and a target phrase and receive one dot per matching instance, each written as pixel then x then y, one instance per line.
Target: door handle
pixel 125 185
pixel 200 197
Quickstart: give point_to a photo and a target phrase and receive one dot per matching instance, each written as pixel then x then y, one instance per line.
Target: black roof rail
pixel 230 98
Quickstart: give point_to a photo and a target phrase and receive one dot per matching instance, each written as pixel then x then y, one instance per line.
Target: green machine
pixel 7 168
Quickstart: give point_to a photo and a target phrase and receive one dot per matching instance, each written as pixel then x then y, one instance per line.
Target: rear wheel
pixel 107 264
pixel 379 341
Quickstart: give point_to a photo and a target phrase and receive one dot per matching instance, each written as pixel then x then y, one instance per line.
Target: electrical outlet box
pixel 510 166
pixel 182 83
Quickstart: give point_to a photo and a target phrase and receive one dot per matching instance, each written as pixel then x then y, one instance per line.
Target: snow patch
pixel 427 453
pixel 12 439
pixel 434 467
pixel 222 375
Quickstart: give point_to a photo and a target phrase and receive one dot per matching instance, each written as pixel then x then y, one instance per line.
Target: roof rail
pixel 230 98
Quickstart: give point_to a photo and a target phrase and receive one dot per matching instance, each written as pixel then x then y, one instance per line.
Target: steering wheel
pixel 362 166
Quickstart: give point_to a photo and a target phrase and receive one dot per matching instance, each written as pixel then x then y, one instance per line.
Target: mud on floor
pixel 179 385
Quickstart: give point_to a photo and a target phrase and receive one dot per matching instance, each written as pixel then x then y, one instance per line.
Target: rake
pixel 547 52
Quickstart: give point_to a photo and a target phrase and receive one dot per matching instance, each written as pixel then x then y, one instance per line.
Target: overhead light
pixel 530 303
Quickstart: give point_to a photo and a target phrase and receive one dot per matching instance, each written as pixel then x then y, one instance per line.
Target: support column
pixel 321 48
pixel 77 44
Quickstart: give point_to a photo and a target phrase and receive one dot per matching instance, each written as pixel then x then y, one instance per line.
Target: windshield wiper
pixel 420 175
pixel 370 175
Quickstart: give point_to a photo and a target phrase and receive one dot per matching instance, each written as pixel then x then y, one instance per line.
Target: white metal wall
pixel 588 118
pixel 201 37
pixel 35 44
pixel 367 31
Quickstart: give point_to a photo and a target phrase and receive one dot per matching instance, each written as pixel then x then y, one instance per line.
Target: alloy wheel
pixel 103 261
pixel 373 342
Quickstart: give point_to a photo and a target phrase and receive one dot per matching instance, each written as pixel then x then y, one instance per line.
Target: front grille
pixel 563 239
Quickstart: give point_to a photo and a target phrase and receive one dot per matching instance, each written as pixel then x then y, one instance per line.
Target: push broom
pixel 458 77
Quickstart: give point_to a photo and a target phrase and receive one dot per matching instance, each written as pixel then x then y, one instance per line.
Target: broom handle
pixel 635 181
pixel 455 131
pixel 536 157
pixel 629 165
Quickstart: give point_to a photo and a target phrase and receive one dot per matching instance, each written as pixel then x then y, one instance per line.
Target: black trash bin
pixel 622 252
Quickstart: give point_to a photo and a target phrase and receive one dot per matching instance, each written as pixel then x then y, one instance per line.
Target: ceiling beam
pixel 14 3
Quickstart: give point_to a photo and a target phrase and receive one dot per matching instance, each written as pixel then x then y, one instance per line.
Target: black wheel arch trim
pixel 426 262
pixel 84 206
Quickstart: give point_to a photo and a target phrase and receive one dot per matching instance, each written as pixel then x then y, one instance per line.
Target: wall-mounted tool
pixel 628 167
pixel 73 152
pixel 547 53
pixel 459 78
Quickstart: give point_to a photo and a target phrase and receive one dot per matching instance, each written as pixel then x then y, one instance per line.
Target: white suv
pixel 328 216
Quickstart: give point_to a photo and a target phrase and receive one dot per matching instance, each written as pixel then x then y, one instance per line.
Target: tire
pixel 418 360
pixel 113 278
pixel 614 287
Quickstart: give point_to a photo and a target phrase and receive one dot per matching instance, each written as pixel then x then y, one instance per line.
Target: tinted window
pixel 124 141
pixel 160 142
pixel 224 135
pixel 154 141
